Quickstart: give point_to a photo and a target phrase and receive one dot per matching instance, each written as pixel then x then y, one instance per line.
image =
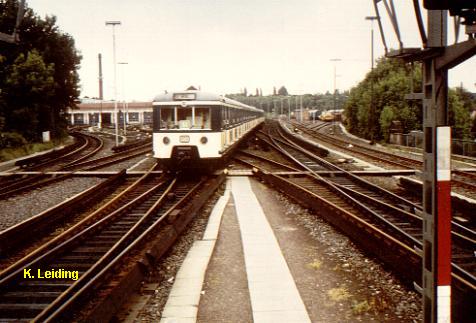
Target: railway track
pixel 86 146
pixel 16 240
pixel 387 220
pixel 28 182
pixel 95 251
pixel 464 181
pixel 360 149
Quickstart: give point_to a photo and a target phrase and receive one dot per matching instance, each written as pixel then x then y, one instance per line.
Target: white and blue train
pixel 199 130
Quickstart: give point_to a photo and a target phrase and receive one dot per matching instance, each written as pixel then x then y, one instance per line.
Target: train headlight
pixel 166 140
pixel 203 140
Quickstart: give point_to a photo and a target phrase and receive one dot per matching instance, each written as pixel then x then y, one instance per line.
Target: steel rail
pixel 70 294
pixel 264 159
pixel 15 236
pixel 362 207
pixel 91 218
pixel 352 177
pixel 415 242
pixel 71 244
pixel 53 312
pixel 416 163
pixel 370 153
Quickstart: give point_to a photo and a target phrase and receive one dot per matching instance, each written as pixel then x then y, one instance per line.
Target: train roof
pixel 196 95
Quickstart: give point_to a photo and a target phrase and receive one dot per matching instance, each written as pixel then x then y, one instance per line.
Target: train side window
pixel 167 120
pixel 225 117
pixel 202 118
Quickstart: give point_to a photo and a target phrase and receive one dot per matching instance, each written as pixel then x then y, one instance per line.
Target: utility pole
pixel 300 107
pixel 124 103
pixel 335 79
pixel 289 109
pixel 335 89
pixel 372 116
pixel 116 119
pixel 101 96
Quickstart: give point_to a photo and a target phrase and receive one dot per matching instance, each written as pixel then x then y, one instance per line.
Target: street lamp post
pixel 335 88
pixel 372 107
pixel 301 108
pixel 113 24
pixel 125 104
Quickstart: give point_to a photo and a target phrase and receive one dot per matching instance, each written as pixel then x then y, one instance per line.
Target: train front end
pixel 186 131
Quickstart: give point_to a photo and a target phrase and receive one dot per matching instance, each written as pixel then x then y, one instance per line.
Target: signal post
pixel 437 58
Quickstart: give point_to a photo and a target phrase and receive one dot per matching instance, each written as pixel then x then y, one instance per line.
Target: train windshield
pixel 174 117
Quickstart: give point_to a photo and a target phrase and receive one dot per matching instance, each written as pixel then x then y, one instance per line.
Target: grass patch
pixel 316 264
pixel 28 149
pixel 360 308
pixel 338 294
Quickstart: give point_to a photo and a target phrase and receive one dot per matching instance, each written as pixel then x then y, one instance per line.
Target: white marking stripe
pixel 443 298
pixel 443 154
pixel 138 163
pixel 182 304
pixel 274 295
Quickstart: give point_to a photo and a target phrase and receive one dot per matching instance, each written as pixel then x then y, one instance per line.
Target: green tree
pixel 29 87
pixel 459 116
pixel 282 91
pixel 386 117
pixel 391 81
pixel 56 50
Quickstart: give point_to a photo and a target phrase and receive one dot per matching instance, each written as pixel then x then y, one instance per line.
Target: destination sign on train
pixel 184 96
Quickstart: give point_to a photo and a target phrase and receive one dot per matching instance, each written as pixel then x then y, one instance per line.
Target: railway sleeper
pixel 72 265
pixel 103 243
pixel 30 297
pixel 42 285
pixel 78 258
pixel 89 250
pixel 21 311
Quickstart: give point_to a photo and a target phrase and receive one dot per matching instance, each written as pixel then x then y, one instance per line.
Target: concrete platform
pixel 273 294
pixel 182 304
pixel 270 261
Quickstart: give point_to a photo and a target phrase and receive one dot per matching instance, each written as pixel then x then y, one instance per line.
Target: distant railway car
pixel 199 130
pixel 332 115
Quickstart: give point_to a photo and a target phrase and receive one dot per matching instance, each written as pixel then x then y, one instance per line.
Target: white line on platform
pixel 273 292
pixel 138 163
pixel 182 304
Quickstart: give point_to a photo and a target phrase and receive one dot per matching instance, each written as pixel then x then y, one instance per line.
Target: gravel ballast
pixel 21 207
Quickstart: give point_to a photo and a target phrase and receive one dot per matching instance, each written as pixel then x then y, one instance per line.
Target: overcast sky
pixel 225 45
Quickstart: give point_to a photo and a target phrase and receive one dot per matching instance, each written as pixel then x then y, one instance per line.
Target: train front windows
pixel 184 117
pixel 202 118
pixel 167 118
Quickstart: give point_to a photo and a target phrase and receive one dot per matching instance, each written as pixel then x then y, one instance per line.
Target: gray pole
pixel 113 24
pixel 300 107
pixel 436 179
pixel 101 96
pixel 124 105
pixel 335 89
pixel 371 118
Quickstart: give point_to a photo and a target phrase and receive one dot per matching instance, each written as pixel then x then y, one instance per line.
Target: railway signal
pixel 437 58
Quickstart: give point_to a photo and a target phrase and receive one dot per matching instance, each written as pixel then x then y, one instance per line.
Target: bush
pixel 11 140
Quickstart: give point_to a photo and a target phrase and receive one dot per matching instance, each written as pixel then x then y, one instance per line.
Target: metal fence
pixel 458 146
